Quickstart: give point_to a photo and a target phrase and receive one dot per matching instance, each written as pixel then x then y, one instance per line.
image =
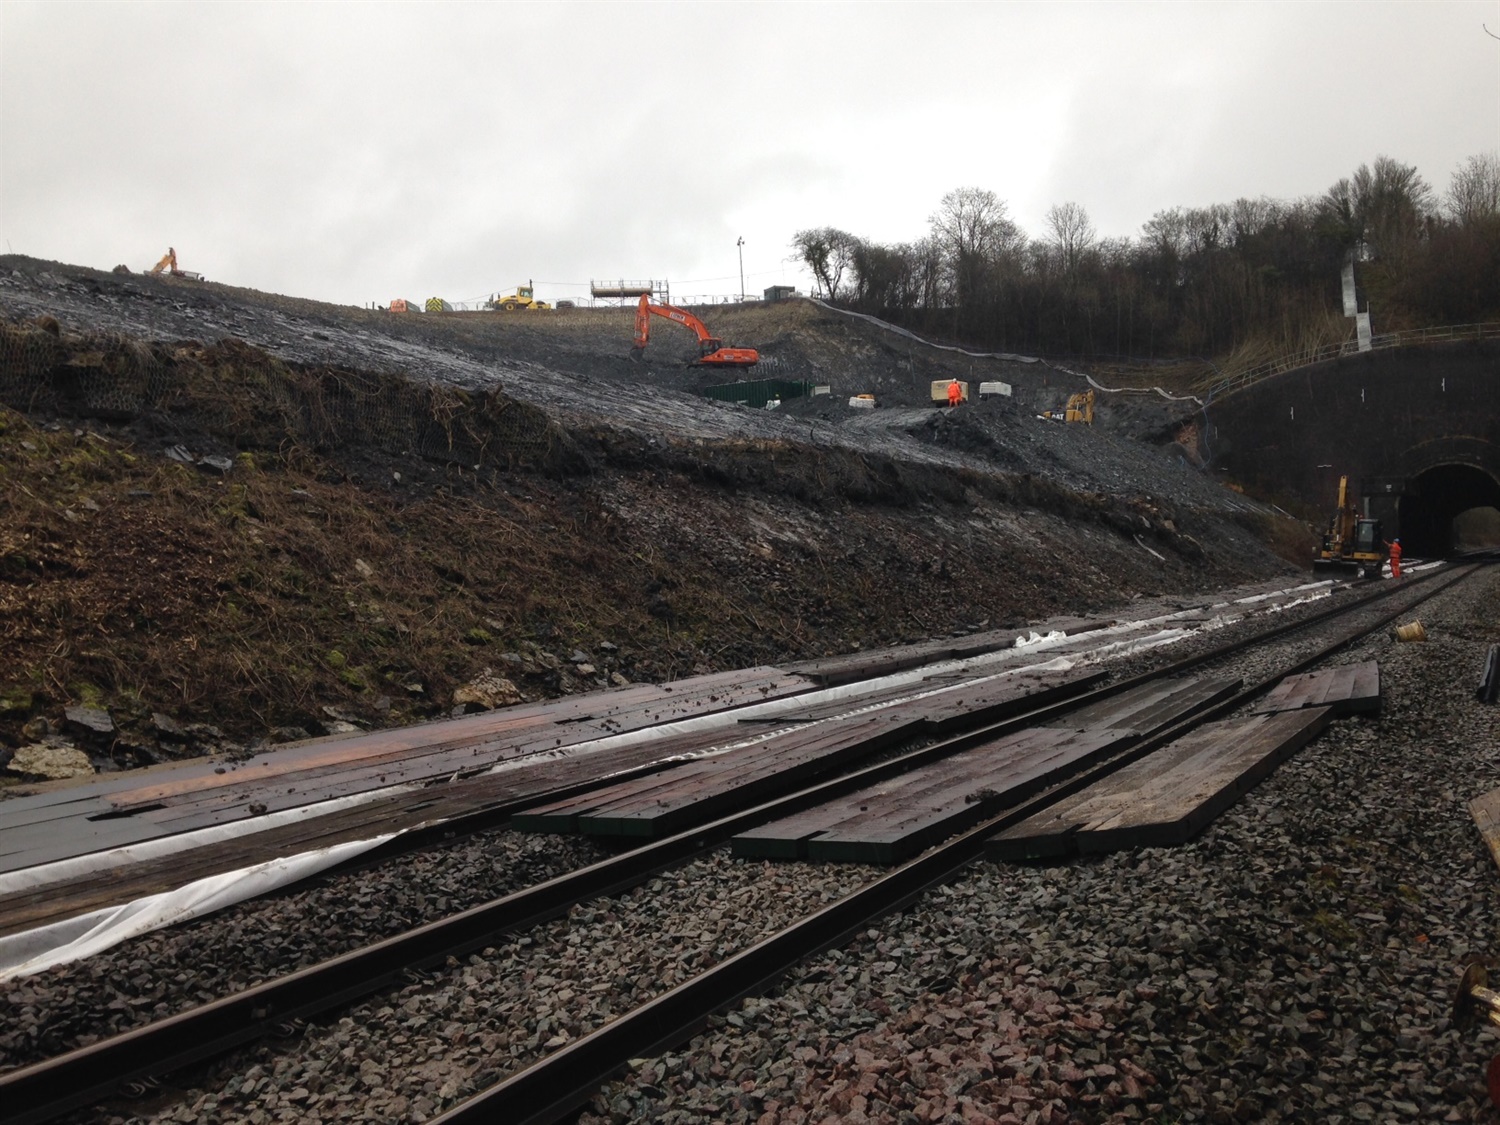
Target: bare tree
pixel 1383 205
pixel 972 227
pixel 829 253
pixel 973 221
pixel 1249 217
pixel 930 277
pixel 1073 235
pixel 1474 194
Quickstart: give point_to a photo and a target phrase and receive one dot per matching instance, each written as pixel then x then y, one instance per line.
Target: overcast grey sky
pixel 357 152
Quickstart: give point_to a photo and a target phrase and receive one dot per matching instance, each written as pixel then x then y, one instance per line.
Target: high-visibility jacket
pixel 955 393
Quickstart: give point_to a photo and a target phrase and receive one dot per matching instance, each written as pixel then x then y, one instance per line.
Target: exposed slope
pixel 335 568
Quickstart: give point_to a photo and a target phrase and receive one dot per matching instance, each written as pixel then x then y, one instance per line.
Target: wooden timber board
pixel 853 666
pixel 704 788
pixel 897 818
pixel 832 738
pixel 1151 706
pixel 116 810
pixel 970 701
pixel 846 704
pixel 993 698
pixel 523 728
pixel 1352 689
pixel 1168 796
pixel 1485 809
pixel 492 796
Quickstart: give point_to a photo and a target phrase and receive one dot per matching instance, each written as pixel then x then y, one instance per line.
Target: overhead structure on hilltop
pixel 629 290
pixel 711 349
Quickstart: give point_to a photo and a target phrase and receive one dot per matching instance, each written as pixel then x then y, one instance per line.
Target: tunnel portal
pixel 1434 499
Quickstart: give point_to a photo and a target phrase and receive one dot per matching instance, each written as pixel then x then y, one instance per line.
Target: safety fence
pixel 561 307
pixel 247 399
pixel 1217 388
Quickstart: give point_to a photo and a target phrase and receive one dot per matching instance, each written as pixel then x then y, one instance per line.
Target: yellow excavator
pixel 522 298
pixel 168 265
pixel 1079 408
pixel 1352 542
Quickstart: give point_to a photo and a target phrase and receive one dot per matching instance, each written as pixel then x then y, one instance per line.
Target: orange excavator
pixel 711 349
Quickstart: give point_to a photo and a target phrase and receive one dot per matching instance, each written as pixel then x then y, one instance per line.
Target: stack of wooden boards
pixel 1173 793
pixel 823 738
pixel 1164 797
pixel 897 818
pixel 349 787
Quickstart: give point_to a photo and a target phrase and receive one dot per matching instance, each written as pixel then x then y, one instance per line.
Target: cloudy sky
pixel 356 152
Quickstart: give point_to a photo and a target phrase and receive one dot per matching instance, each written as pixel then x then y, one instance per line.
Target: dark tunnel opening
pixel 1440 496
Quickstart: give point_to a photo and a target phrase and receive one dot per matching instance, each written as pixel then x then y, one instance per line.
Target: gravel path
pixel 1295 963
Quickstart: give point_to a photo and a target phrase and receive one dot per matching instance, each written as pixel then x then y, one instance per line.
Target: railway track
pixel 566 1078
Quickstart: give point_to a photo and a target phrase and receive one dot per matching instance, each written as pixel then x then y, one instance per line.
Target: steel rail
pixel 564 1081
pixel 87 1074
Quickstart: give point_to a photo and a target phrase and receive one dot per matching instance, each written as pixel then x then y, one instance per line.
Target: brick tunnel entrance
pixel 1436 498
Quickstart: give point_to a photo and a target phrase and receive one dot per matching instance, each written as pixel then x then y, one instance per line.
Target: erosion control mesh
pixel 249 399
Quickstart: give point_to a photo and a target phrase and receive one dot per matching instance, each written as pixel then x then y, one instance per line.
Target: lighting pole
pixel 741 245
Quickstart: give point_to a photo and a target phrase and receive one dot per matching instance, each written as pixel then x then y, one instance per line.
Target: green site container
pixel 758 392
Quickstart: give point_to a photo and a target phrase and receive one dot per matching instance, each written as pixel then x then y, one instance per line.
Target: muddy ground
pixel 212 569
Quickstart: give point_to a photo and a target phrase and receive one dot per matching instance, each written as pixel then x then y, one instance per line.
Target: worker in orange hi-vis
pixel 955 393
pixel 1395 546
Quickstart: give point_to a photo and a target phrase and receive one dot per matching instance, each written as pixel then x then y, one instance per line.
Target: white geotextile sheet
pixel 771 710
pixel 33 951
pixel 43 874
pixel 1011 356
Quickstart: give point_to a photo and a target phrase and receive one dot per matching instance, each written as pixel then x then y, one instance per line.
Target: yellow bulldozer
pixel 523 298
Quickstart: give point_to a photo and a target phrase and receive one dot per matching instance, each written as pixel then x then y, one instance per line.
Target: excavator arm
pixel 168 262
pixel 711 349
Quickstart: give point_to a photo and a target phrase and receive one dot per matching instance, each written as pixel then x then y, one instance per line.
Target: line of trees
pixel 1255 275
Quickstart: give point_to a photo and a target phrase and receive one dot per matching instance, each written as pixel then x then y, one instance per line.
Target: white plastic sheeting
pixel 44 874
pixel 1008 356
pixel 1036 641
pixel 771 710
pixel 33 951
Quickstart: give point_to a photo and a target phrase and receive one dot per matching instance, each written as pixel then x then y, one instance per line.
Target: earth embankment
pixel 264 515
